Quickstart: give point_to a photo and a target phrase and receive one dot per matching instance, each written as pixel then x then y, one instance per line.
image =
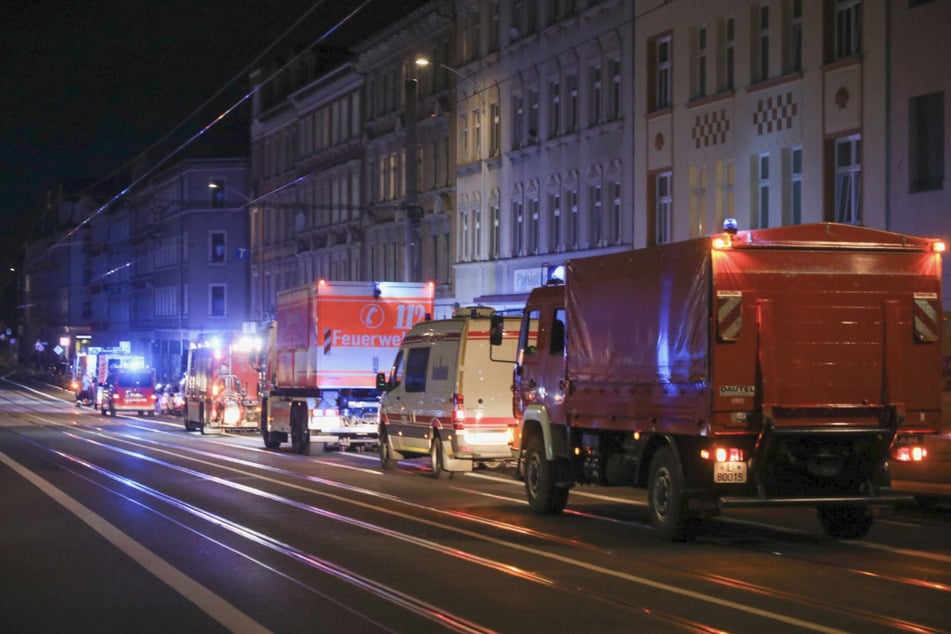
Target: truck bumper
pixel 883 498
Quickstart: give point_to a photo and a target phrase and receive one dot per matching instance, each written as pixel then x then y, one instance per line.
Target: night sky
pixel 86 87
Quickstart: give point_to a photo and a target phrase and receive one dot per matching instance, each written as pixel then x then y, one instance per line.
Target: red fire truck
pixel 221 384
pixel 781 366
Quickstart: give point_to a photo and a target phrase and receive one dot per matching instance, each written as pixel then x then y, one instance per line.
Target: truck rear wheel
pixel 436 459
pixel 845 522
pixel 300 433
pixel 665 498
pixel 543 496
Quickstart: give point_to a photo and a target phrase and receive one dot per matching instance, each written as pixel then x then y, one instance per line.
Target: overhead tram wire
pixel 217 119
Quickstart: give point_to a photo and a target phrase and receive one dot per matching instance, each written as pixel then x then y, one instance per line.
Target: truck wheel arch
pixel 653 444
pixel 536 422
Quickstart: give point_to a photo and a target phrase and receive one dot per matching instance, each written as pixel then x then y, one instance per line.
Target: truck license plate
pixel 729 472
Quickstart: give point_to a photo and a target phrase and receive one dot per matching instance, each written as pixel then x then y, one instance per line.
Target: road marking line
pixel 206 600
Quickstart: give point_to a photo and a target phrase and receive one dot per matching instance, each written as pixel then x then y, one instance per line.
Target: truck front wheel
pixel 665 498
pixel 543 495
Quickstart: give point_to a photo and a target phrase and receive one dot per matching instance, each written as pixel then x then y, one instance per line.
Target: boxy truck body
pixel 775 366
pixel 324 350
pixel 448 395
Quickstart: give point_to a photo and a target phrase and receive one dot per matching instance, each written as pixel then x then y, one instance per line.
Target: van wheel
pixel 436 459
pixel 543 496
pixel 388 457
pixel 665 502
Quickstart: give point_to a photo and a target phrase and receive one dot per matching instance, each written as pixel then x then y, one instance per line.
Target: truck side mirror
pixel 381 381
pixel 496 327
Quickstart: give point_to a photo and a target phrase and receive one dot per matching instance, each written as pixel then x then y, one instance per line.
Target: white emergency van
pixel 449 394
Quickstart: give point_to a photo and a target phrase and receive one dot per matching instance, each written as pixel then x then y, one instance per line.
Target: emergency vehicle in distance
pixel 221 384
pixel 128 388
pixel 448 394
pixel 782 366
pixel 324 350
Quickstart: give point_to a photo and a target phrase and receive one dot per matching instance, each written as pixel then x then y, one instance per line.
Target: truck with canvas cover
pixel 324 350
pixel 775 366
pixel 448 394
pixel 221 384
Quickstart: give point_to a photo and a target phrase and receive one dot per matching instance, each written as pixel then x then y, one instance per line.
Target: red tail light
pixel 458 412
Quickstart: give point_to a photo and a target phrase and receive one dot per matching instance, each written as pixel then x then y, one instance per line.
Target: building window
pixel 554 208
pixel 217 298
pixel 615 98
pixel 762 191
pixel 533 105
pixel 848 28
pixel 725 193
pixel 477 134
pixel 217 189
pixel 596 95
pixel 596 238
pixel 573 225
pixel 662 72
pixel 477 234
pixel 762 45
pixel 616 217
pixel 216 247
pixel 495 132
pixel 518 121
pixel 848 179
pixel 518 233
pixel 534 226
pixel 571 116
pixel 729 55
pixel 663 208
pixel 464 137
pixel 701 71
pixel 926 142
pixel 496 227
pixel 794 44
pixel 554 108
pixel 464 234
pixel 795 186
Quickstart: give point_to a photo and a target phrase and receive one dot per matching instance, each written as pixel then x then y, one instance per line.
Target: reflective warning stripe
pixel 328 340
pixel 729 315
pixel 927 317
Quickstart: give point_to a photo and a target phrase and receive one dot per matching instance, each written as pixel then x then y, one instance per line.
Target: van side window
pixel 528 335
pixel 556 343
pixel 396 374
pixel 417 360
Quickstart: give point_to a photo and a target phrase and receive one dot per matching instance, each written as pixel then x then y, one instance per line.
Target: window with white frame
pixel 663 207
pixel 848 179
pixel 701 68
pixel 495 136
pixel 795 185
pixel 662 73
pixel 848 28
pixel 762 191
pixel 554 108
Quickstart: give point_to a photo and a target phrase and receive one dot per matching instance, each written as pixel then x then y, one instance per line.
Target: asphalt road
pixel 133 524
